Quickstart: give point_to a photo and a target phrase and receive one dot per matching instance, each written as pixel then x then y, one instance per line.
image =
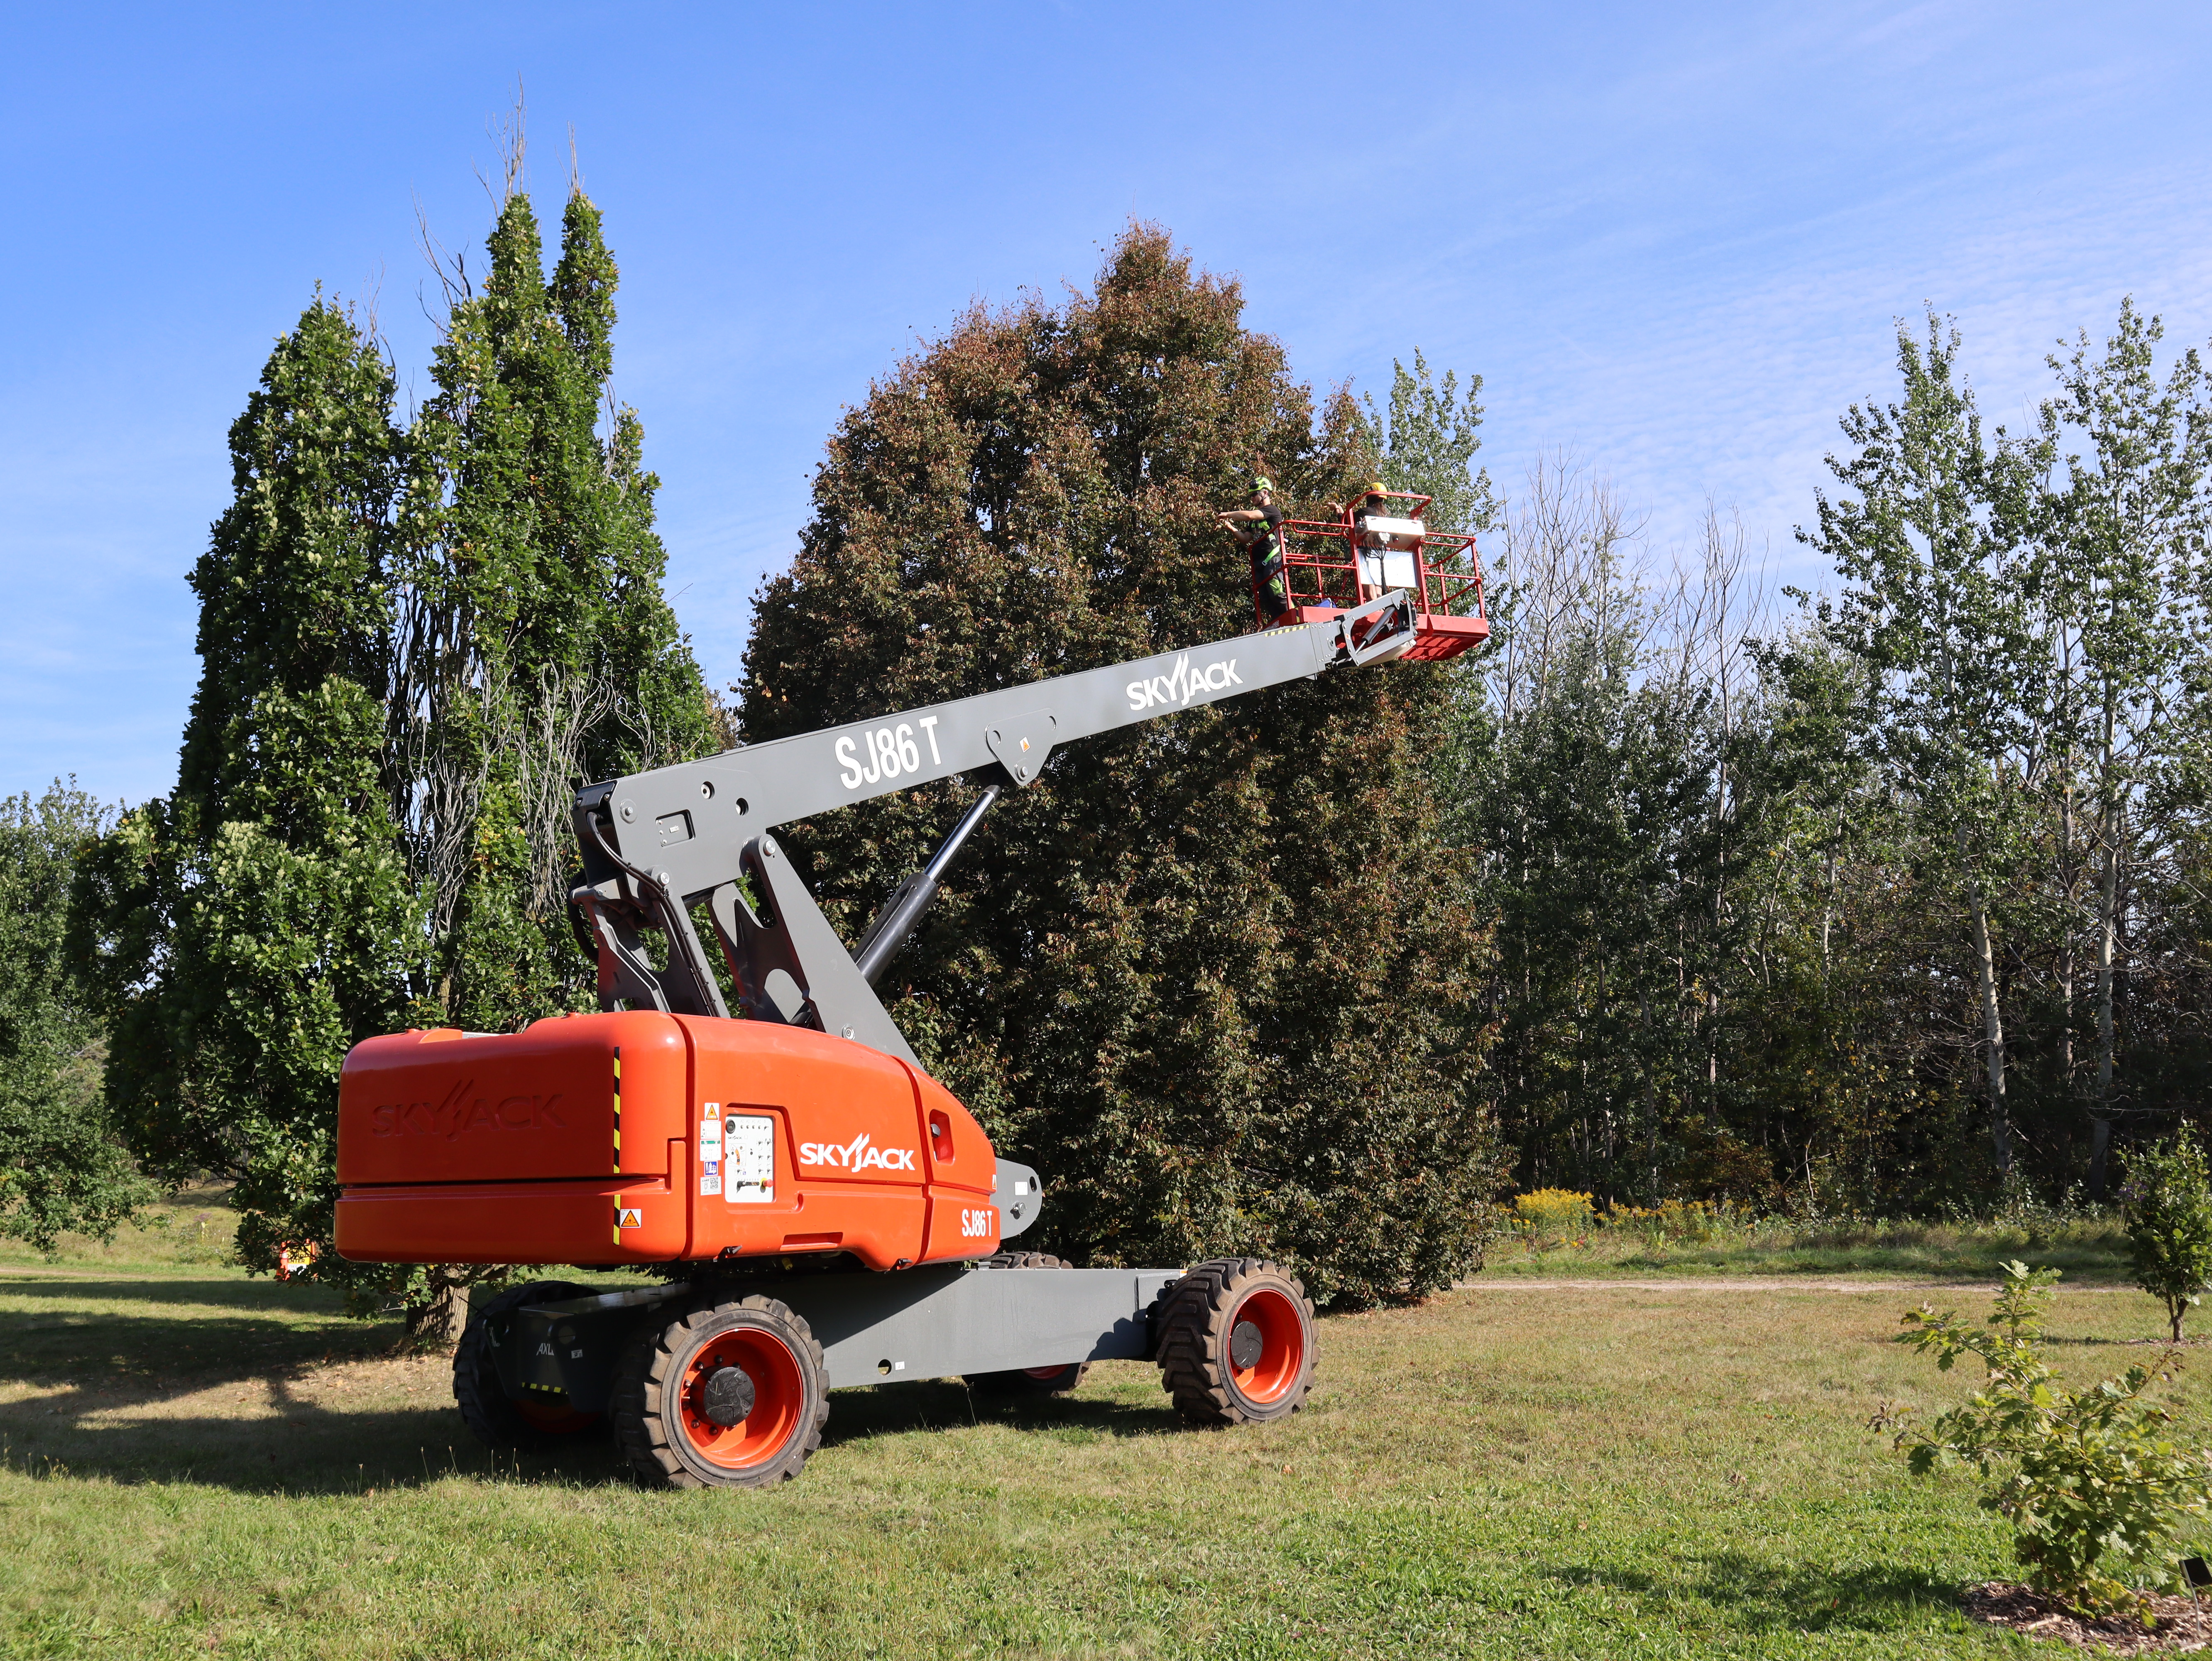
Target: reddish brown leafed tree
pixel 1211 975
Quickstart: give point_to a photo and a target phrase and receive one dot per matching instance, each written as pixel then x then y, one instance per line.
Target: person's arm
pixel 1237 515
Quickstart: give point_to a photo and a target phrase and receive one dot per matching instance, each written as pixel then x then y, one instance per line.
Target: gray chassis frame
pixel 929 1322
pixel 658 842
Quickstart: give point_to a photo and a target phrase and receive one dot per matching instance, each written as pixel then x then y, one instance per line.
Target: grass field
pixel 2088 1248
pixel 1580 1465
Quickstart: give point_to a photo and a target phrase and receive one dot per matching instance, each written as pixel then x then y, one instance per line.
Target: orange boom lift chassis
pixel 821 1212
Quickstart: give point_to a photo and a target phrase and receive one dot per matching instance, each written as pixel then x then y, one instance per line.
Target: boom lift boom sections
pixel 658 842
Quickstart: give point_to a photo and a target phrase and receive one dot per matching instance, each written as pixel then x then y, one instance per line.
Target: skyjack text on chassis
pixel 836 1217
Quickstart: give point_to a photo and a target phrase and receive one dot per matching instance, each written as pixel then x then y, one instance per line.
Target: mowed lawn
pixel 198 1464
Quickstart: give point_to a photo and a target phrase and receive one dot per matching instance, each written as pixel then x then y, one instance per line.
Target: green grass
pixel 198 1464
pixel 188 1233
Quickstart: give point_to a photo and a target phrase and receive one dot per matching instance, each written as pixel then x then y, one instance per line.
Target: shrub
pixel 2093 1490
pixel 1695 1221
pixel 2168 1201
pixel 1549 1211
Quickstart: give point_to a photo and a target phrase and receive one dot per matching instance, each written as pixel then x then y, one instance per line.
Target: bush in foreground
pixel 2091 1488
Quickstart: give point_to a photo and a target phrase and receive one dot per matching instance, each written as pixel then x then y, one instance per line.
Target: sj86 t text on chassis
pixel 825 1213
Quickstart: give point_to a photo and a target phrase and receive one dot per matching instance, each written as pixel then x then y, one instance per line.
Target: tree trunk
pixel 2100 1122
pixel 1986 970
pixel 2070 868
pixel 438 1323
pixel 2108 931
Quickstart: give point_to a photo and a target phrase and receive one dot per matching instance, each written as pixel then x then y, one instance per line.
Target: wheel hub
pixel 1245 1343
pixel 726 1399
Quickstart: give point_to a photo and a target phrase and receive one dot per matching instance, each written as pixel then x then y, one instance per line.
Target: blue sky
pixel 1672 239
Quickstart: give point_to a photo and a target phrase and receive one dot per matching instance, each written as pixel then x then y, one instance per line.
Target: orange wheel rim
pixel 553 1418
pixel 1044 1374
pixel 1282 1357
pixel 779 1398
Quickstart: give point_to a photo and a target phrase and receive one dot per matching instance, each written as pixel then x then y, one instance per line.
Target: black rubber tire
pixel 1028 1381
pixel 656 1417
pixel 1196 1321
pixel 494 1417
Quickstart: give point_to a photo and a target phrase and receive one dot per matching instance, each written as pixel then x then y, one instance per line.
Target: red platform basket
pixel 1335 565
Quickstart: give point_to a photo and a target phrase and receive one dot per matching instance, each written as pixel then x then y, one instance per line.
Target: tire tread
pixel 1191 1321
pixel 643 1381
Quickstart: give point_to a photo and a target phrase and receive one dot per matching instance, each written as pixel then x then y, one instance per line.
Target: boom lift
pixel 825 1213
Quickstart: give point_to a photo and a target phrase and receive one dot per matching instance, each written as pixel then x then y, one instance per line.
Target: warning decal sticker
pixel 710 1148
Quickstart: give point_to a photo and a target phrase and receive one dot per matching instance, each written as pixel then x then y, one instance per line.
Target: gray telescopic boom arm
pixel 657 843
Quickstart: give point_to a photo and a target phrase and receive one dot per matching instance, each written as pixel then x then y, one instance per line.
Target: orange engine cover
pixel 641 1137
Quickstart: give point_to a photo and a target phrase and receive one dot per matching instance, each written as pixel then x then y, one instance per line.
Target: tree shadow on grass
pixel 291 1443
pixel 1763 1595
pixel 364 1454
pixel 133 1343
pixel 120 1389
pixel 2189 1340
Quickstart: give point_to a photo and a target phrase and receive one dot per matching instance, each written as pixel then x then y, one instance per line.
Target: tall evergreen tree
pixel 1204 974
pixel 246 930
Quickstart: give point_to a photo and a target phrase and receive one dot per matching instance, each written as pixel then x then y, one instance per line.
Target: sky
pixel 1674 241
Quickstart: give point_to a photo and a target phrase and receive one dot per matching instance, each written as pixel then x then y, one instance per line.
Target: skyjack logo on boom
pixel 856 1155
pixel 1183 684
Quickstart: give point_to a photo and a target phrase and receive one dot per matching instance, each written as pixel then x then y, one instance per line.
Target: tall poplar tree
pixel 249 927
pixel 2120 577
pixel 1933 548
pixel 1426 442
pixel 1205 973
pixel 536 648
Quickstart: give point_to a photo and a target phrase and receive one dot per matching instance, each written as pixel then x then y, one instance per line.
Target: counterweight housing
pixel 639 1137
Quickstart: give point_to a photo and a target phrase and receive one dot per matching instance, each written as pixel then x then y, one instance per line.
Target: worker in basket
pixel 1369 546
pixel 1260 529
